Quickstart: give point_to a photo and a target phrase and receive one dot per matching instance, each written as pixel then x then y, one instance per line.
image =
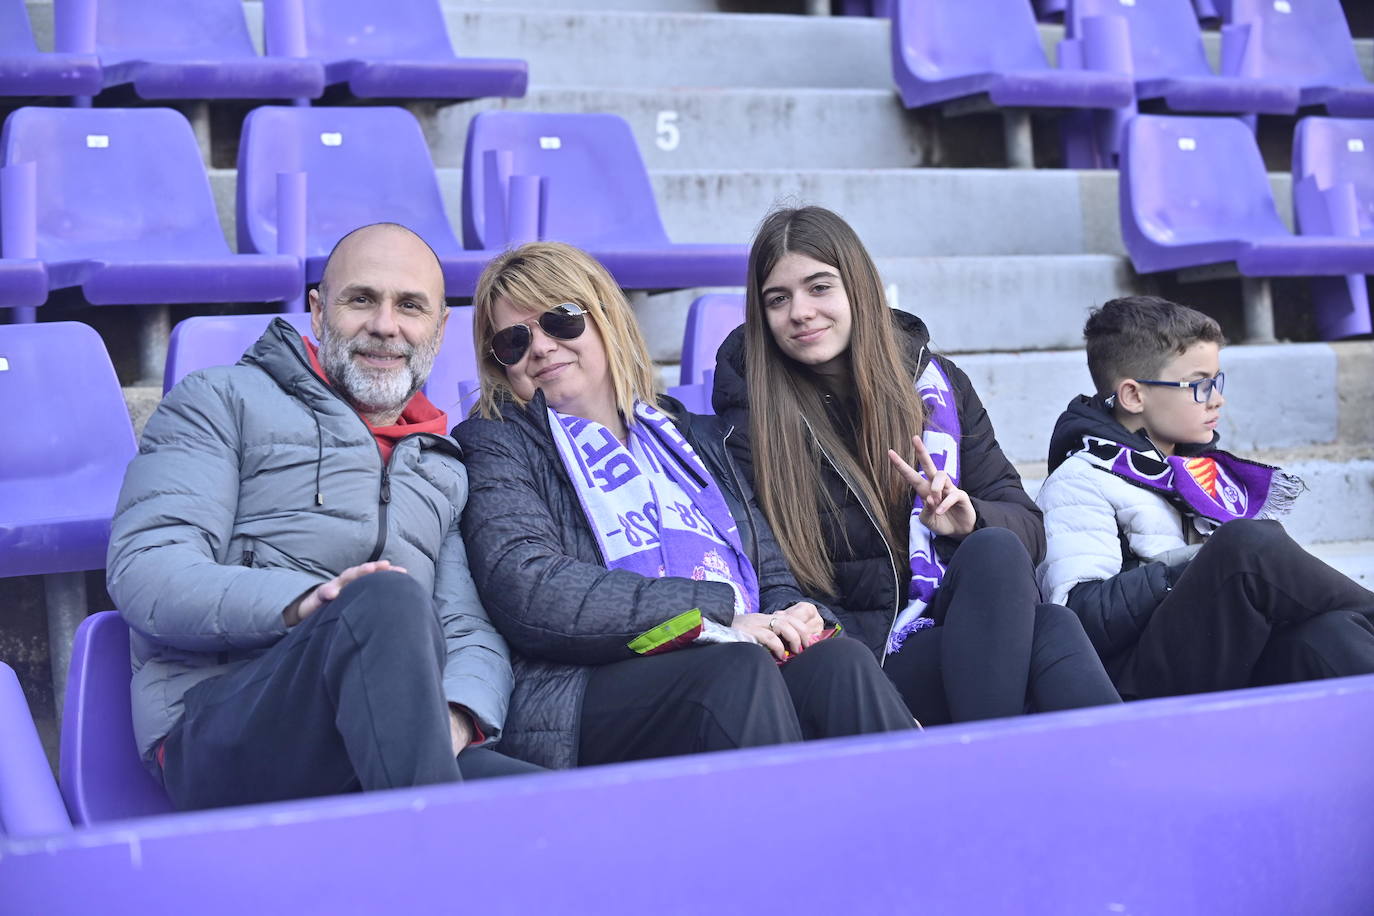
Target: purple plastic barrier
pixel 1333 194
pixel 24 70
pixel 362 165
pixel 102 776
pixel 60 479
pixel 171 49
pixel 124 210
pixel 1304 44
pixel 395 50
pixel 1194 192
pixel 943 51
pixel 30 804
pixel 1248 802
pixel 1170 65
pixel 594 193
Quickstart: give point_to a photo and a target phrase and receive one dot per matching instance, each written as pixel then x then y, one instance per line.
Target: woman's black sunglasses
pixel 564 322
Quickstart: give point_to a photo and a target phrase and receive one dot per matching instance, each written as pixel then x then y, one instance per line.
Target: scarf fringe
pixel 1284 490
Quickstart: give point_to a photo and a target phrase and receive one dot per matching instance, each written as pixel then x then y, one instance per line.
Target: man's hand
pixel 316 598
pixel 945 509
pixel 459 728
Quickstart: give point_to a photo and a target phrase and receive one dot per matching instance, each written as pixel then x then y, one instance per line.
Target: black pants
pixel 352 698
pixel 1251 608
pixel 995 649
pixel 716 697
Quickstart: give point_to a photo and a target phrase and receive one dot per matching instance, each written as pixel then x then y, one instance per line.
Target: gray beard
pixel 375 392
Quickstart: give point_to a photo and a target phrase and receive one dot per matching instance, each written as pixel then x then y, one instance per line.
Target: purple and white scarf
pixel 941 438
pixel 1215 485
pixel 653 506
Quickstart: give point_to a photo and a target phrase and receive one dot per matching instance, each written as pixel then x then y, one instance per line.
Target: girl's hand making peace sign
pixel 946 510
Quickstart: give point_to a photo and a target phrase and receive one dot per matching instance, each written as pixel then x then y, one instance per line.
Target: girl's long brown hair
pixel 789 426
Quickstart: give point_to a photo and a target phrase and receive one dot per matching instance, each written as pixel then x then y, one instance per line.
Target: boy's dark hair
pixel 1134 336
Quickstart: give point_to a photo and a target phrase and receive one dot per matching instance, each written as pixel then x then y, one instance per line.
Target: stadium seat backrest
pixel 57 385
pixel 455 365
pixel 941 40
pixel 595 188
pixel 1338 151
pixel 1166 39
pixel 101 775
pixel 217 340
pixel 16 35
pixel 362 165
pixel 168 29
pixel 710 320
pixel 371 30
pixel 1195 179
pixel 116 183
pixel 1302 41
pixel 30 804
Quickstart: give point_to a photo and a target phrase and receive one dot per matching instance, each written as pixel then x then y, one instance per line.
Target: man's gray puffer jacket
pixel 257 482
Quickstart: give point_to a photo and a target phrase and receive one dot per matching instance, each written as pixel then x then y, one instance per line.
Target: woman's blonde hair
pixel 538 276
pixel 789 427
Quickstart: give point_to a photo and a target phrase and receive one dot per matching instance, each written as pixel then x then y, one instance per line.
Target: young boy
pixel 1164 545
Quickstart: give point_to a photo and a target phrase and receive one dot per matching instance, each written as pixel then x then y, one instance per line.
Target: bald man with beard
pixel 286 552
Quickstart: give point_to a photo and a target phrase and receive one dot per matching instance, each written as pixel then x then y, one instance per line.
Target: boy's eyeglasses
pixel 1202 388
pixel 564 322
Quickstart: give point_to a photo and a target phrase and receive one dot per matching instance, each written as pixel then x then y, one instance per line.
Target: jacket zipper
pixel 896 579
pixel 739 488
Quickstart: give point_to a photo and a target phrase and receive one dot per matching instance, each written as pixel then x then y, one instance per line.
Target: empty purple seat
pixel 217 340
pixel 362 165
pixel 1305 44
pixel 124 210
pixel 1333 194
pixel 710 320
pixel 455 375
pixel 103 778
pixel 1168 63
pixel 60 479
pixel 174 49
pixel 944 52
pixel 30 804
pixel 24 70
pixel 395 50
pixel 579 178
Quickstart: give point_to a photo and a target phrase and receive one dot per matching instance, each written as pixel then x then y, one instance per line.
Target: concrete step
pixel 742 128
pixel 1321 395
pixel 1354 558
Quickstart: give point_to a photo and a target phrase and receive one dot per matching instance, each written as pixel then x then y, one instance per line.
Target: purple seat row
pixel 172 49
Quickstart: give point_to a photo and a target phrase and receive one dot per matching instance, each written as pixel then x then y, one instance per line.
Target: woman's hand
pixel 946 509
pixel 807 617
pixel 779 633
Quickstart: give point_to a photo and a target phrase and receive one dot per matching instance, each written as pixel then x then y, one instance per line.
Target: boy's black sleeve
pixel 1115 611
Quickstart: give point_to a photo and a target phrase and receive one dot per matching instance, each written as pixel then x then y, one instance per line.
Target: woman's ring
pixel 773 624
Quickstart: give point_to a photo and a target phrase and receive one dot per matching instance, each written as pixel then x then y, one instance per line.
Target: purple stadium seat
pixel 1195 194
pixel 124 210
pixel 30 804
pixel 23 282
pixel 579 178
pixel 1305 44
pixel 217 340
pixel 453 379
pixel 59 481
pixel 1333 194
pixel 1169 64
pixel 393 50
pixel 173 49
pixel 26 71
pixel 103 778
pixel 1054 9
pixel 710 320
pixel 362 165
pixel 944 52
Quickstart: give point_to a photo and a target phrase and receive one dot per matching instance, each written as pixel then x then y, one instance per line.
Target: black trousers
pixel 717 697
pixel 352 698
pixel 1251 608
pixel 995 649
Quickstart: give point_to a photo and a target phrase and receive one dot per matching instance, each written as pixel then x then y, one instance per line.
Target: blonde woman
pixel 878 469
pixel 647 608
